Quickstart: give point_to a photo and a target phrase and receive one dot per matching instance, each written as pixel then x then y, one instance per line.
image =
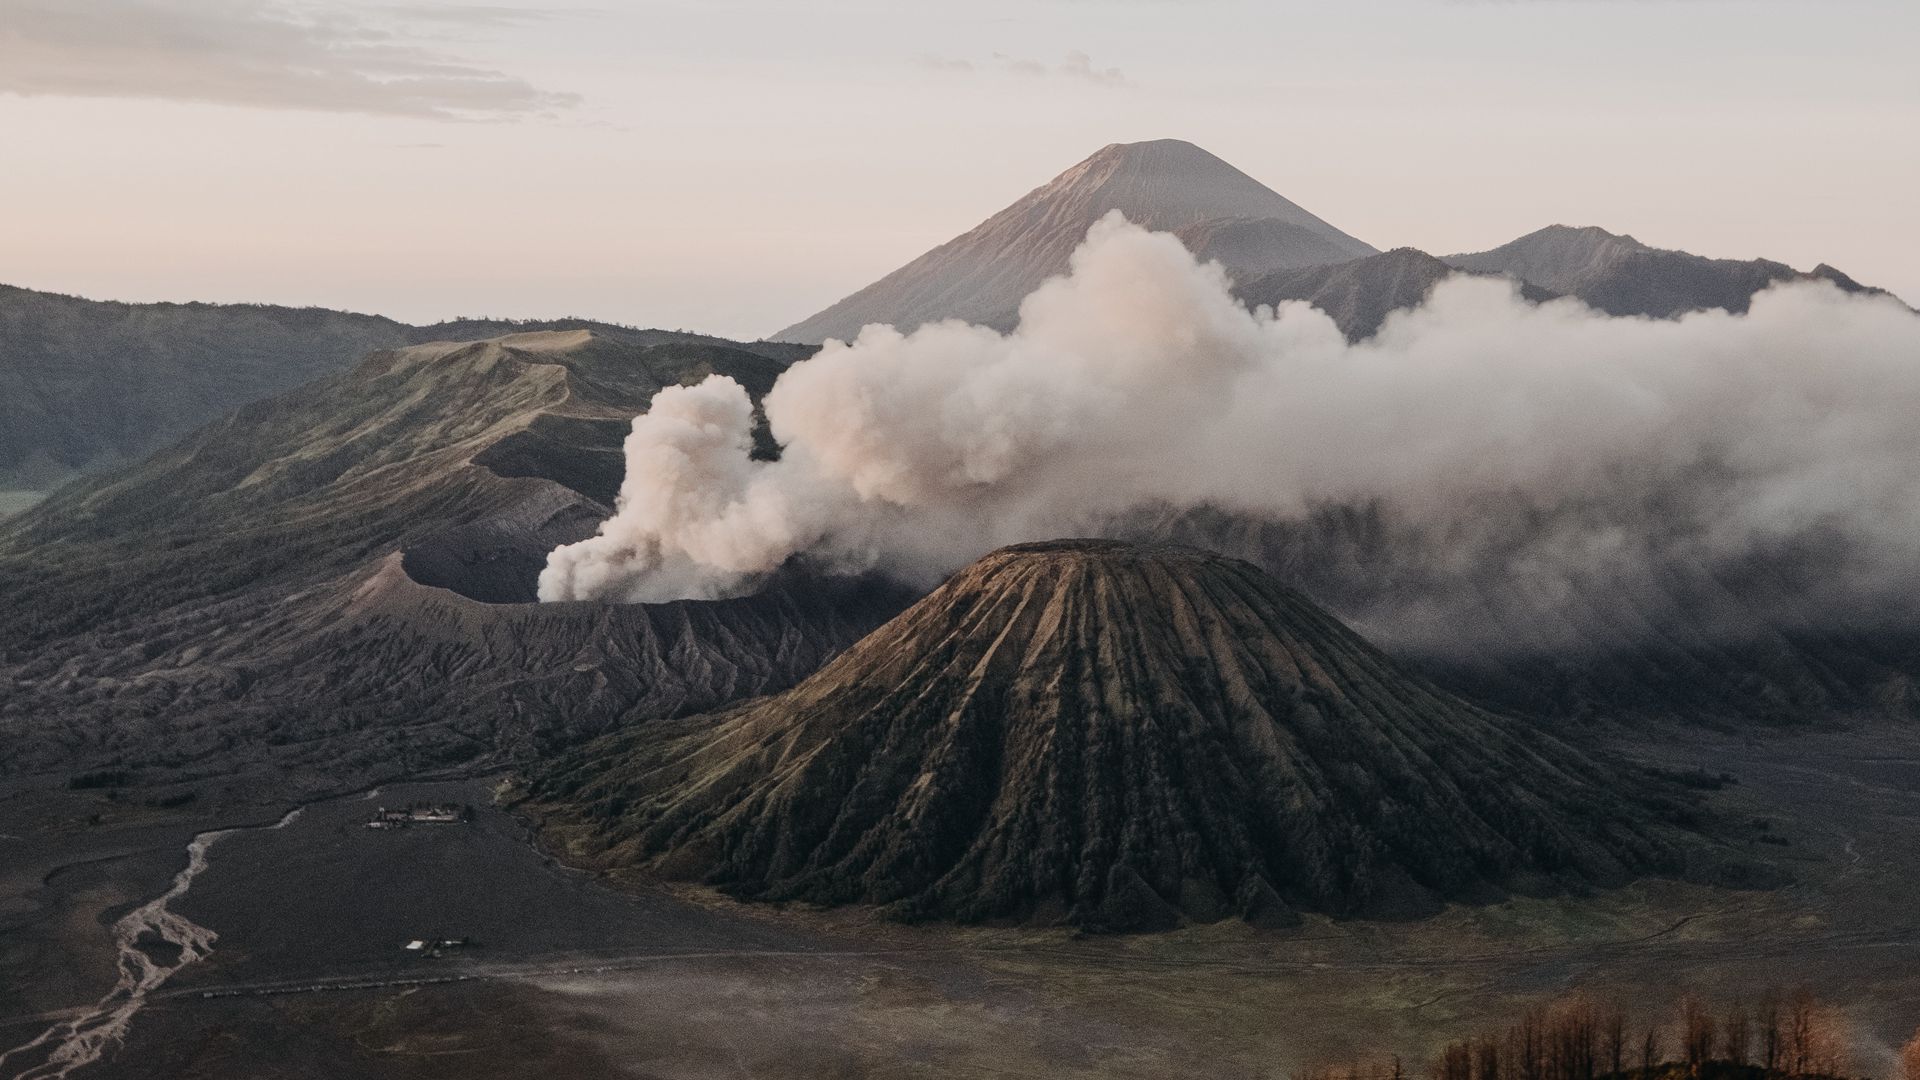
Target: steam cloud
pixel 1488 438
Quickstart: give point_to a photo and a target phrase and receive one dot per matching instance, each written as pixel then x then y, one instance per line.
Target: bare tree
pixel 1696 1034
pixel 1579 1037
pixel 1817 1037
pixel 1613 1039
pixel 1736 1033
pixel 1772 1037
pixel 1566 1030
pixel 1831 1037
pixel 1800 1033
pixel 1649 1050
pixel 1456 1062
pixel 1530 1046
pixel 1487 1064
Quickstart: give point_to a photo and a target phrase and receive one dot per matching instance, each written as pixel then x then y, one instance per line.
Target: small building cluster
pixel 434 948
pixel 420 814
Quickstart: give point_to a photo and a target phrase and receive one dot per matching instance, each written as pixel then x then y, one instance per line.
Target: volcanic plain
pixel 617 976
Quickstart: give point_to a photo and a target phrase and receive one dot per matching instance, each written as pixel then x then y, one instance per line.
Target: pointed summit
pixel 1217 210
pixel 1171 184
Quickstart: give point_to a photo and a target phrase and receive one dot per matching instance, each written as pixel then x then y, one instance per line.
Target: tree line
pixel 1778 1036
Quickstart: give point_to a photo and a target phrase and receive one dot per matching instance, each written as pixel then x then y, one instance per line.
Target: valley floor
pixel 567 976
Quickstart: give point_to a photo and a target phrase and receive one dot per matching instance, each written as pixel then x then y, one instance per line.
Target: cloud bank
pixel 1536 444
pixel 260 54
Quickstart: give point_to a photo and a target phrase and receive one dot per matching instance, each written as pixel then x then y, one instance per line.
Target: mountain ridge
pixel 1619 275
pixel 90 383
pixel 1359 295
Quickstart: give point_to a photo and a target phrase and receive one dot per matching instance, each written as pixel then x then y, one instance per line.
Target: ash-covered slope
pixel 1114 736
pixel 337 580
pixel 1220 212
pixel 1359 295
pixel 1622 276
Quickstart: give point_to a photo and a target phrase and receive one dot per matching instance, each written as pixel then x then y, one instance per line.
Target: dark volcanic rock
pixel 1119 736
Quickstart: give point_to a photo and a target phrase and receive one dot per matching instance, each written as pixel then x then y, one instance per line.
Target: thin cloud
pixel 1032 69
pixel 1079 65
pixel 1076 66
pixel 463 14
pixel 934 62
pixel 472 16
pixel 260 54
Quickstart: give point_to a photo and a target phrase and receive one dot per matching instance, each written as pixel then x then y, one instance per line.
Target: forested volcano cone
pixel 1115 736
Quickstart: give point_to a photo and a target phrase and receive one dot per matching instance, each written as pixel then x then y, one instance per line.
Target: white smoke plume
pixel 1549 439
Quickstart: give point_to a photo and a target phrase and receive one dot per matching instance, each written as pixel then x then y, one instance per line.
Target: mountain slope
pixel 1113 736
pixel 334 580
pixel 1621 276
pixel 1359 295
pixel 85 383
pixel 981 276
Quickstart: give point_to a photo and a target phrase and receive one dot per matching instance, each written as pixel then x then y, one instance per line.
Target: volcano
pixel 338 583
pixel 1167 185
pixel 1115 737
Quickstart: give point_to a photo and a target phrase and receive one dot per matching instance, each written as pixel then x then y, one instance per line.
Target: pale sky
pixel 734 165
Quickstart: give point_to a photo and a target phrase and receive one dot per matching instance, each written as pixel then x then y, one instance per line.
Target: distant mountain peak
pixel 1555 257
pixel 1829 272
pixel 1408 255
pixel 1619 275
pixel 1174 183
pixel 1151 147
pixel 1592 234
pixel 1161 154
pixel 1218 211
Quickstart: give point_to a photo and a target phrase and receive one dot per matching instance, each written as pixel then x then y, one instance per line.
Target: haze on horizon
pixel 732 166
